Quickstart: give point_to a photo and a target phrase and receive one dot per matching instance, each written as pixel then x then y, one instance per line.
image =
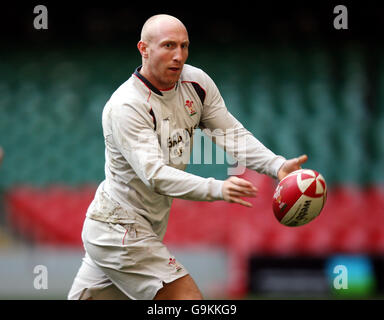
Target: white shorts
pixel 123 262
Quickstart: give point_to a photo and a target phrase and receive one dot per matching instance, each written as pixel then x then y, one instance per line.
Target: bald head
pixel 160 23
pixel 164 49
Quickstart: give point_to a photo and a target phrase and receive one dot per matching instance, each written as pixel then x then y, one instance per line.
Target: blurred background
pixel 297 83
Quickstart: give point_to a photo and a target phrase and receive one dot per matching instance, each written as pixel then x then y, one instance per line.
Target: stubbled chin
pixel 174 76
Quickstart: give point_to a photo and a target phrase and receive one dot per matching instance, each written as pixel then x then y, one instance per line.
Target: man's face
pixel 167 52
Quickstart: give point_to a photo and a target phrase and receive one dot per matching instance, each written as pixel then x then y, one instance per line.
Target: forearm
pixel 176 183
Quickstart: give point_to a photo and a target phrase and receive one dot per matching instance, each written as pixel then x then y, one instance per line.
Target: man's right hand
pixel 235 188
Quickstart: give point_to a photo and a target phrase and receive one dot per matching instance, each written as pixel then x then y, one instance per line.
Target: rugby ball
pixel 299 197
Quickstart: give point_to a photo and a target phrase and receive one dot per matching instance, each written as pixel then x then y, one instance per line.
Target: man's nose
pixel 178 54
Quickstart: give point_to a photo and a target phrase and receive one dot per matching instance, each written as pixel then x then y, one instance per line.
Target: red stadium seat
pixel 51 216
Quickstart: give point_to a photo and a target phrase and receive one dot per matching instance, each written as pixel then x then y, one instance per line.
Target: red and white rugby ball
pixel 299 197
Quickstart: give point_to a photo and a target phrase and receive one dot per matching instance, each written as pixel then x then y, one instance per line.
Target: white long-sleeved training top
pixel 148 140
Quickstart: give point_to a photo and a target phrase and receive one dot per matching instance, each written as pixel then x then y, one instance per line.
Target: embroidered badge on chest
pixel 189 105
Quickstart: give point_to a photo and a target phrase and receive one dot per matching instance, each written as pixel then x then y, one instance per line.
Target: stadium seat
pixel 316 240
pixel 351 240
pixel 49 216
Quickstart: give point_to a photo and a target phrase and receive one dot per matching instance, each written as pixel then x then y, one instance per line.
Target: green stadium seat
pixel 376 144
pixel 262 117
pixel 321 102
pixel 351 155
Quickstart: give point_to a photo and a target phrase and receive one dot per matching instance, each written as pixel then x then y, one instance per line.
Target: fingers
pixel 242 184
pixel 242 202
pixel 235 193
pixel 235 197
pixel 235 188
pixel 302 159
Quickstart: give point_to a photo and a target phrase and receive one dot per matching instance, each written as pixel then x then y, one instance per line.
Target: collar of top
pixel 149 85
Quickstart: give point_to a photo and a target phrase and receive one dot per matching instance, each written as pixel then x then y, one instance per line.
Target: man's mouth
pixel 174 69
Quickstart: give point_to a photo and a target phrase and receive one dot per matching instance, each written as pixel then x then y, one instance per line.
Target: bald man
pixel 148 126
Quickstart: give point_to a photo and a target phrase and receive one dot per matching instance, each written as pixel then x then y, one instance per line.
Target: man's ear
pixel 142 46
